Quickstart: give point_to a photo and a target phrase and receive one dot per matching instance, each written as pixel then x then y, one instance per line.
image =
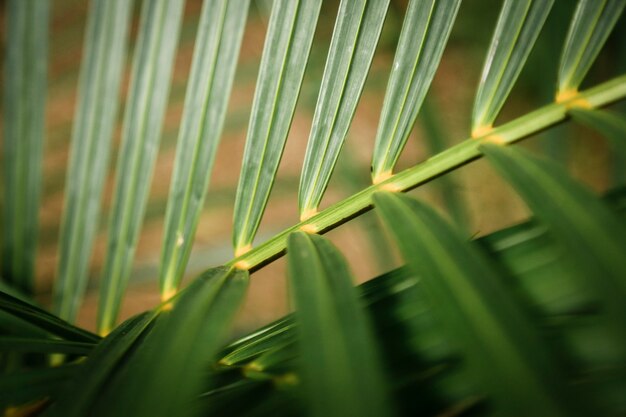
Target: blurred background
pixel 473 197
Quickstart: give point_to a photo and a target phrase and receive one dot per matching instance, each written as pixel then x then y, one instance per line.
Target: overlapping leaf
pixel 502 346
pixel 425 32
pixel 285 55
pixel 152 68
pixel 96 111
pixel 24 105
pixel 356 33
pixel 342 374
pixel 212 72
pixel 519 24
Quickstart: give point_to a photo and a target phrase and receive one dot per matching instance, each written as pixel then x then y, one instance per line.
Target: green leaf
pixel 519 24
pixel 212 72
pixel 594 238
pixel 94 122
pixel 149 88
pixel 591 25
pixel 19 344
pixel 44 320
pixel 356 33
pixel 609 124
pixel 503 349
pixel 285 55
pixel 186 335
pixel 25 386
pixel 24 117
pixel 341 370
pixel 103 362
pixel 424 35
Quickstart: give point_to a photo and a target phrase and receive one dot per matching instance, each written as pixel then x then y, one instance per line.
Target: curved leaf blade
pixel 518 27
pixel 503 348
pixel 24 118
pixel 424 35
pixel 591 25
pixel 27 345
pixel 149 88
pixel 94 122
pixel 285 55
pixel 593 235
pixel 341 371
pixel 356 33
pixel 216 51
pixel 609 124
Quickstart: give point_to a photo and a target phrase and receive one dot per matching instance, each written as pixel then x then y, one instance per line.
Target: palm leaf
pixel 517 30
pixel 24 106
pixel 150 81
pixel 355 36
pixel 341 372
pixel 591 25
pixel 99 85
pixel 285 56
pixel 424 35
pixel 213 69
pixel 610 124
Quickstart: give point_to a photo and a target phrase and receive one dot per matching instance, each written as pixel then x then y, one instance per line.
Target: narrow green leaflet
pixel 424 35
pixel 592 235
pixel 356 33
pixel 609 124
pixel 44 320
pixel 503 349
pixel 25 69
pixel 285 56
pixel 21 344
pixel 94 122
pixel 183 341
pixel 212 72
pixel 341 370
pixel 149 87
pixel 591 25
pixel 519 24
pixel 103 362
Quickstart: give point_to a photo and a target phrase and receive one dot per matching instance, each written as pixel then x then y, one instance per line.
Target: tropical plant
pixel 529 320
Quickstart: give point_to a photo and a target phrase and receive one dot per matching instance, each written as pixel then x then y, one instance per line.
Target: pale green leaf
pixel 424 35
pixel 25 67
pixel 212 72
pixel 94 122
pixel 356 33
pixel 341 371
pixel 503 348
pixel 149 88
pixel 591 25
pixel 519 24
pixel 285 55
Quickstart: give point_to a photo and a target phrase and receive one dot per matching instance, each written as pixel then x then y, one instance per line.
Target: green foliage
pixel 528 320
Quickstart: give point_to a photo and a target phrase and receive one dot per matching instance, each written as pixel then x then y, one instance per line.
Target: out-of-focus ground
pixel 490 204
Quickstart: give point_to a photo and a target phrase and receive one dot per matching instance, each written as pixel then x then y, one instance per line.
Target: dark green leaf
pixel 25 386
pixel 17 344
pixel 341 370
pixel 503 349
pixel 609 124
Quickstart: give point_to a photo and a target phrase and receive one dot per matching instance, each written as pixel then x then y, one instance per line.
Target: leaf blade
pixel 215 57
pixel 340 367
pixel 149 89
pixel 355 36
pixel 518 27
pixel 425 31
pixel 285 55
pixel 609 124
